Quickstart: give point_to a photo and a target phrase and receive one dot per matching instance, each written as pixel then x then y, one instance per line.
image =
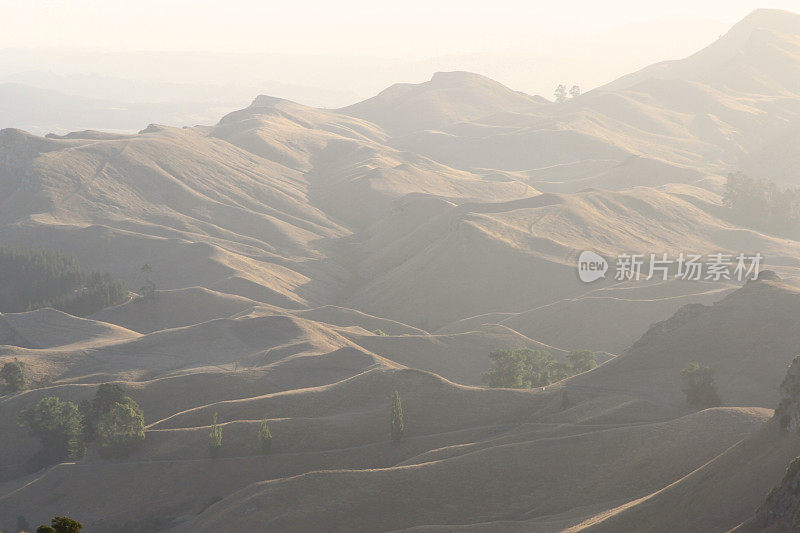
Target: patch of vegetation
pixel 114 420
pixel 761 204
pixel 58 426
pixel 581 361
pixel 379 332
pixel 215 438
pixel 524 368
pixel 264 437
pixel 61 524
pixel 699 386
pixel 13 376
pixel 397 424
pixel 33 279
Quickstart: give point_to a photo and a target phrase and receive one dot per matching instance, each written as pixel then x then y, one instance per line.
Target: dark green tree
pixel 62 524
pixel 58 426
pixel 524 368
pixel 13 374
pixel 148 290
pixel 32 279
pixel 45 529
pixel 265 437
pixel 510 368
pixel 581 360
pixel 397 425
pixel 699 386
pixel 215 438
pixel 105 397
pixel 120 430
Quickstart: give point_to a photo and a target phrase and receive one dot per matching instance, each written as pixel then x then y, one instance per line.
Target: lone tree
pixel 58 426
pixel 13 374
pixel 215 438
pixel 148 290
pixel 561 94
pixel 575 91
pixel 699 386
pixel 265 437
pixel 397 425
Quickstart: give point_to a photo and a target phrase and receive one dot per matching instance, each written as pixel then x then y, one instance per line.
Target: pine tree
pixel 265 437
pixel 397 424
pixel 215 438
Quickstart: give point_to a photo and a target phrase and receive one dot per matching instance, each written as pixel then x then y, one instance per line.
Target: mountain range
pixel 311 261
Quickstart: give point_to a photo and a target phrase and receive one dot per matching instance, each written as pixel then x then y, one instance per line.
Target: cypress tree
pixel 215 438
pixel 397 424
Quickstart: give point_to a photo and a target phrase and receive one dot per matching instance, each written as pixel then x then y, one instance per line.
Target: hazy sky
pixel 408 28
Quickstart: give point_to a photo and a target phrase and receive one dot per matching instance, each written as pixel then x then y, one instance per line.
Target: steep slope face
pixel 753 40
pixel 168 197
pixel 292 134
pixel 164 181
pixel 473 259
pixel 748 338
pixel 447 99
pixel 355 175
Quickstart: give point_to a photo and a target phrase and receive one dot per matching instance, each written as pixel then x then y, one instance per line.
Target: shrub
pixel 13 374
pixel 397 425
pixel 58 426
pixel 265 437
pixel 699 386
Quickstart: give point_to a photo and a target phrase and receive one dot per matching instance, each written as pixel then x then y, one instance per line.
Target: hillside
pixel 297 266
